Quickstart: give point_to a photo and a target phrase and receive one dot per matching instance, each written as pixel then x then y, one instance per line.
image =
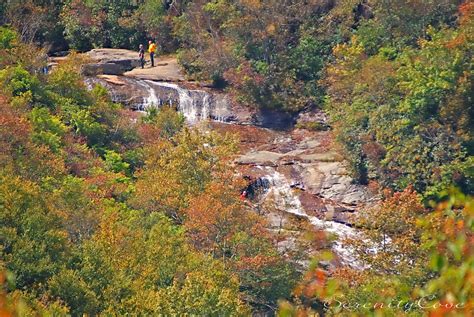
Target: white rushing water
pixel 193 104
pixel 286 200
pixel 196 105
pixel 206 107
pixel 151 100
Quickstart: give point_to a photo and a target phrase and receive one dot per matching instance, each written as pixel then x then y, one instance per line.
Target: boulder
pixel 133 93
pixel 126 64
pixel 110 62
pixel 102 68
pixel 312 119
pixel 104 55
pixel 329 156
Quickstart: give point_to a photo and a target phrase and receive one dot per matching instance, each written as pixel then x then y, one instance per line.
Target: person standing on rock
pixel 141 55
pixel 151 50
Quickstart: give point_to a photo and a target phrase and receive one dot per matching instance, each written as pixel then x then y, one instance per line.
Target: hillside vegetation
pixel 107 212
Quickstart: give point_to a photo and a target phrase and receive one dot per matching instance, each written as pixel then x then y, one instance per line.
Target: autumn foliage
pixel 107 212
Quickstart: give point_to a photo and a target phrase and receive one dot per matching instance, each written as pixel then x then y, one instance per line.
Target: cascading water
pixel 139 94
pixel 152 99
pixel 285 199
pixel 220 111
pixel 206 107
pixel 193 104
pixel 282 195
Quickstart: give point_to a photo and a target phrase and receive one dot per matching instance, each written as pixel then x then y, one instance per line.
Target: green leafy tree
pixel 48 129
pixel 33 242
pixel 166 119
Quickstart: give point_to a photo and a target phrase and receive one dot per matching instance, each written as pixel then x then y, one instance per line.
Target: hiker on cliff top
pixel 141 55
pixel 151 50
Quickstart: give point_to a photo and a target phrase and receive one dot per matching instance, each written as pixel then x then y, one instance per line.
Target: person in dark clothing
pixel 141 55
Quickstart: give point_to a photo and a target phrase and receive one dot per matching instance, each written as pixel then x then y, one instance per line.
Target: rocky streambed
pixel 296 178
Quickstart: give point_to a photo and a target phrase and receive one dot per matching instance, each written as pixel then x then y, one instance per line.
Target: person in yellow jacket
pixel 151 50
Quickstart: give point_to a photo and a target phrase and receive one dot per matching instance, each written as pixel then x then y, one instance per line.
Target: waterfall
pixel 282 194
pixel 193 104
pixel 151 100
pixel 220 111
pixel 206 107
pixel 286 200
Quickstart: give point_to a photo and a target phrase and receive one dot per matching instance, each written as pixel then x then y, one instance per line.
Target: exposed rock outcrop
pixel 133 93
pixel 166 69
pixel 110 62
pixel 137 88
pixel 105 55
pixel 313 170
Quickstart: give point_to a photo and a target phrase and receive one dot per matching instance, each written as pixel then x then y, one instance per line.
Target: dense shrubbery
pixel 398 88
pixel 89 24
pixel 268 51
pixel 83 25
pixel 405 116
pixel 398 92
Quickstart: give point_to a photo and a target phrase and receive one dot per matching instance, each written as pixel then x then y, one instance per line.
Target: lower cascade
pixel 277 188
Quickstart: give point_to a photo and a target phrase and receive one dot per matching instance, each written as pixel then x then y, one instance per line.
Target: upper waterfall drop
pixel 139 94
pixel 193 104
pixel 152 99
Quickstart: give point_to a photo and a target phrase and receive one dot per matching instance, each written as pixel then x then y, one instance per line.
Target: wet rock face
pixel 314 172
pixel 195 104
pixel 256 188
pixel 118 70
pixel 276 120
pixel 298 181
pixel 132 93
